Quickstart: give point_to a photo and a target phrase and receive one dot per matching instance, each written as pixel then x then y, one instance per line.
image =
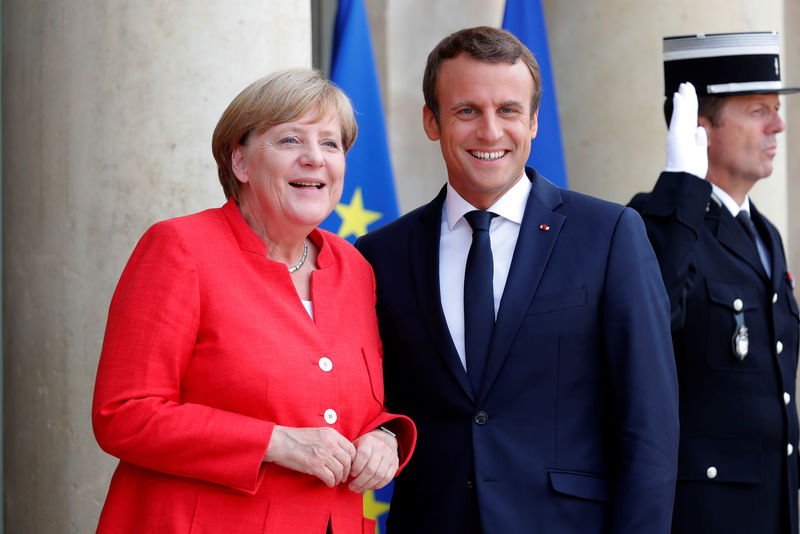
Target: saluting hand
pixel 687 149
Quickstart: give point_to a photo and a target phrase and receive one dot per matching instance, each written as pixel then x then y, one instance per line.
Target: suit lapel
pixel 733 237
pixel 534 246
pixel 424 245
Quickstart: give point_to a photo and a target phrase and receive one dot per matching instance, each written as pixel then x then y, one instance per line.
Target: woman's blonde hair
pixel 280 97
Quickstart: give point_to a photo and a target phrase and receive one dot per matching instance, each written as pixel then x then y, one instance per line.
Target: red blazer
pixel 207 347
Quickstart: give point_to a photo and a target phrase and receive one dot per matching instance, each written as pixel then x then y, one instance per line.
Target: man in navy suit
pixel 564 419
pixel 734 318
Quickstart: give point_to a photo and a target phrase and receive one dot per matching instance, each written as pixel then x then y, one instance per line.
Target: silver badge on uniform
pixel 741 342
pixel 741 338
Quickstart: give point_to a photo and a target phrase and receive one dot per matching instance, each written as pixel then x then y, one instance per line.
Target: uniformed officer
pixel 734 319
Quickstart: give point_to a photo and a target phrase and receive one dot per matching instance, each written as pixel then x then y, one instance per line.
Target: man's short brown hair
pixel 709 107
pixel 483 43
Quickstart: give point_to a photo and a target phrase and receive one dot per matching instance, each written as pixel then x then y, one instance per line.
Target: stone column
pixel 108 111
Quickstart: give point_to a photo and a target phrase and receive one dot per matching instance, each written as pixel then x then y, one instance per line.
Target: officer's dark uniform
pixel 738 469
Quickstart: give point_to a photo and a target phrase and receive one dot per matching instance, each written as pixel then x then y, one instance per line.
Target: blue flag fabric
pixel 525 19
pixel 368 199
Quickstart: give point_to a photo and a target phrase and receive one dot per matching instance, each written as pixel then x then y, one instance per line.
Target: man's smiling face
pixel 485 125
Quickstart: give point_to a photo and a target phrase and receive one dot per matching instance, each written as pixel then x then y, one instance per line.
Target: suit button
pixel 738 305
pixel 789 449
pixel 470 484
pixel 480 417
pixel 786 398
pixel 711 472
pixel 325 364
pixel 778 347
pixel 330 416
pixel 774 298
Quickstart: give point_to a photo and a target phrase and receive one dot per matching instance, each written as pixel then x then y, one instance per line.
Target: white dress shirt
pixel 734 209
pixel 454 243
pixel 309 306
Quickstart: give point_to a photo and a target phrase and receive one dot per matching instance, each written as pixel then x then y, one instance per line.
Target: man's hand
pixel 687 142
pixel 376 461
pixel 321 452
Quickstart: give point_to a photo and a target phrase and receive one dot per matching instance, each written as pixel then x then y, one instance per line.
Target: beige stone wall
pixel 108 110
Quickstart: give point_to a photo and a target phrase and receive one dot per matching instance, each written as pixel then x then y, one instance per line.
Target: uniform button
pixel 786 398
pixel 325 364
pixel 789 449
pixel 738 305
pixel 330 416
pixel 774 298
pixel 778 347
pixel 480 417
pixel 711 472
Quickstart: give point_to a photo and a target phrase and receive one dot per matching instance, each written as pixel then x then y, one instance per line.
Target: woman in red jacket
pixel 240 382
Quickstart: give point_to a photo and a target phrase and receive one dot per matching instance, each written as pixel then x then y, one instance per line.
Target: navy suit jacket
pixel 738 468
pixel 575 428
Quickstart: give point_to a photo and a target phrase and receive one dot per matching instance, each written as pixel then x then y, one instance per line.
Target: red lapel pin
pixel 544 227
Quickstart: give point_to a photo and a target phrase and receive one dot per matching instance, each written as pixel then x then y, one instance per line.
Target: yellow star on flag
pixel 355 218
pixel 374 508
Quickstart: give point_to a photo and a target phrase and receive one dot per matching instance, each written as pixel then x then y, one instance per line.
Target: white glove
pixel 687 149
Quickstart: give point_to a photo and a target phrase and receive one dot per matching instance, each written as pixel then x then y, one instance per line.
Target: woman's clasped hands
pixel 369 462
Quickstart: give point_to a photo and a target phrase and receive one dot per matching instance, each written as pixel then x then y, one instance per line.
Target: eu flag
pixel 368 199
pixel 525 19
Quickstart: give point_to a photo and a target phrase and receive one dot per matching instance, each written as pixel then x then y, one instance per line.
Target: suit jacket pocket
pixel 727 301
pixel 580 484
pixel 720 459
pixel 225 512
pixel 374 365
pixel 727 294
pixel 557 301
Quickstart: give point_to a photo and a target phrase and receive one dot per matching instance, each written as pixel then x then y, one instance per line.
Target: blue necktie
pixel 750 229
pixel 747 223
pixel 478 297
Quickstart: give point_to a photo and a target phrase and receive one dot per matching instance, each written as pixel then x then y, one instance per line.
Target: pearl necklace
pixel 302 260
